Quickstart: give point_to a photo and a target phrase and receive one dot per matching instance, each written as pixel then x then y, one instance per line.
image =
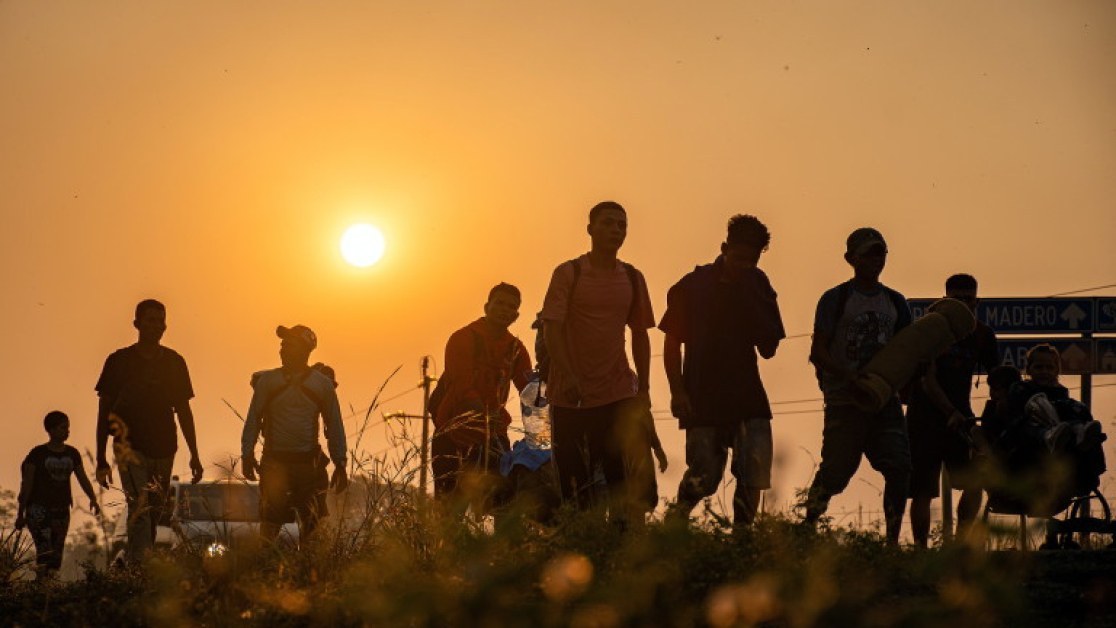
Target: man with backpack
pixel 723 313
pixel 286 405
pixel 483 360
pixel 853 321
pixel 601 410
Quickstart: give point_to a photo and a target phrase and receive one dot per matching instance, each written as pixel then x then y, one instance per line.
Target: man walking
pixel 483 360
pixel 723 312
pixel 853 321
pixel 601 409
pixel 141 389
pixel 286 405
pixel 940 416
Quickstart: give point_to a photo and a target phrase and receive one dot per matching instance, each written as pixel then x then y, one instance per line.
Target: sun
pixel 362 245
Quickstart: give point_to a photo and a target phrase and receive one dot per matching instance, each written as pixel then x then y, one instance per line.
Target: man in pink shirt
pixel 601 409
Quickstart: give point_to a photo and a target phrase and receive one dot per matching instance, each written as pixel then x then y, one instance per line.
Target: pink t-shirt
pixel 595 320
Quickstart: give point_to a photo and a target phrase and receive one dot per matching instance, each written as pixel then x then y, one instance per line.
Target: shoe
pixel 1059 437
pixel 1040 411
pixel 1091 436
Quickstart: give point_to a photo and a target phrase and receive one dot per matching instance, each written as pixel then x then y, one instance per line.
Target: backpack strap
pixel 902 310
pixel 299 382
pixel 633 278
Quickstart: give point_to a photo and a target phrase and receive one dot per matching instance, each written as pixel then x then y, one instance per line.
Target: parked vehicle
pixel 210 516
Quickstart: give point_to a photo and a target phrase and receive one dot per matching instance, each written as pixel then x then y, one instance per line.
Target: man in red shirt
pixel 600 408
pixel 471 422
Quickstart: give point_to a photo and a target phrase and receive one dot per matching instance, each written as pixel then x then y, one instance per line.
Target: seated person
pixel 1046 445
pixel 1047 412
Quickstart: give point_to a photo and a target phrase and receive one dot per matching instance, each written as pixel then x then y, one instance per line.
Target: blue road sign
pixel 1032 316
pixel 1077 354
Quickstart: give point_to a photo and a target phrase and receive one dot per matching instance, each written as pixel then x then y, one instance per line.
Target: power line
pixel 1062 294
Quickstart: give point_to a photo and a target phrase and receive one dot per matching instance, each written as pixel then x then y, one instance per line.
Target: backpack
pixel 541 354
pixel 438 395
pixel 902 313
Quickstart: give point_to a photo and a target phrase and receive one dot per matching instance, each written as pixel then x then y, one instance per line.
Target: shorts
pixel 850 433
pixel 932 445
pixel 293 485
pixel 48 526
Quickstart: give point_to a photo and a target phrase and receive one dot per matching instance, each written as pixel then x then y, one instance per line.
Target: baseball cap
pixel 863 239
pixel 298 333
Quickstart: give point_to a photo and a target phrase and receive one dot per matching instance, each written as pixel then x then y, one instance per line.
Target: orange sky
pixel 210 154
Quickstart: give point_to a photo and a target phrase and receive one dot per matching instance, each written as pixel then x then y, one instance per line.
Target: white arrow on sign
pixel 1073 315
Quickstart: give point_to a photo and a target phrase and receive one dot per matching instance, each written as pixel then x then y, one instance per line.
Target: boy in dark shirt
pixel 44 494
pixel 939 415
pixel 723 312
pixel 853 321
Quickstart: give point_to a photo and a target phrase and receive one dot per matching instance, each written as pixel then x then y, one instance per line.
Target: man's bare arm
pixel 554 334
pixel 820 357
pixel 641 354
pixel 186 422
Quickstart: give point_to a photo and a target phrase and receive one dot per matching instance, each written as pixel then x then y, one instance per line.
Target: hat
pixel 863 239
pixel 298 333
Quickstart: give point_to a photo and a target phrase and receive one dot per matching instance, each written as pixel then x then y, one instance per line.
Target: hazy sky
pixel 210 154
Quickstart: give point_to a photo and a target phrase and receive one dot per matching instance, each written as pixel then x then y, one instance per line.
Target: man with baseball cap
pixel 853 321
pixel 286 405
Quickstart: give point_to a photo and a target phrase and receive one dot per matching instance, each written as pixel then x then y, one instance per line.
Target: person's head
pixel 747 239
pixel 608 226
pixel 1044 364
pixel 1000 380
pixel 866 252
pixel 150 321
pixel 963 287
pixel 297 343
pixel 57 425
pixel 502 307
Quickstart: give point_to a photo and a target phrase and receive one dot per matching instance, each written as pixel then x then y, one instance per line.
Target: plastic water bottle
pixel 536 413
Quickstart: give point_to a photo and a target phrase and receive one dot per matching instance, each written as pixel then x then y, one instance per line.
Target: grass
pixel 418 568
pixel 388 557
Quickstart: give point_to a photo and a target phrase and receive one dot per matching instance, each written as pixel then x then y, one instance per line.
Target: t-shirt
pixel 865 324
pixel 53 469
pixel 955 369
pixel 144 392
pixel 481 364
pixel 721 323
pixel 595 317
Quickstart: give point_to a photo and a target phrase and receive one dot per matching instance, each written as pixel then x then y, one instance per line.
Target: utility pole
pixel 426 379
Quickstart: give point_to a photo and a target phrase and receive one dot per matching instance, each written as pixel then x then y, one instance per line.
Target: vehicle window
pixel 219 502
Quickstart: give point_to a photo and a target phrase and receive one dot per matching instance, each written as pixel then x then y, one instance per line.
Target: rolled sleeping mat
pixel 946 322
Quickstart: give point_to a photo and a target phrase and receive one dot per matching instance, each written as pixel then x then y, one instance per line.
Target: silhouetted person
pixel 483 360
pixel 723 312
pixel 600 408
pixel 286 405
pixel 940 417
pixel 44 493
pixel 142 388
pixel 853 321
